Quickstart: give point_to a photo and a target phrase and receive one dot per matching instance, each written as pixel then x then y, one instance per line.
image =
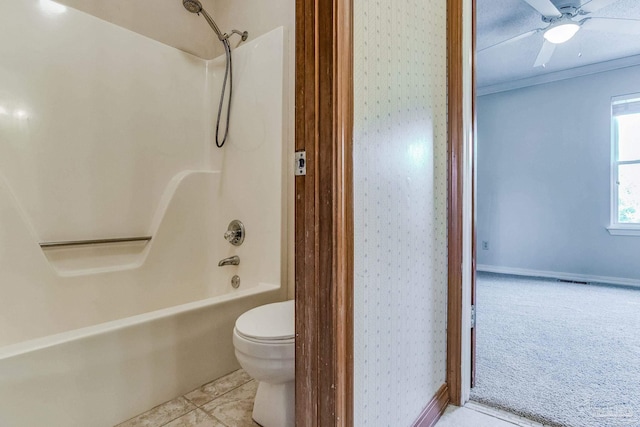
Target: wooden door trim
pixel 455 125
pixel 324 214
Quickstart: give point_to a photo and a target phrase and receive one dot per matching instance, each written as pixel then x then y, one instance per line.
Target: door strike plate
pixel 300 163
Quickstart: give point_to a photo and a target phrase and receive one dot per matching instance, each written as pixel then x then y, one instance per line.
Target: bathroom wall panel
pixel 98 120
pixel 399 209
pixel 252 159
pixel 259 17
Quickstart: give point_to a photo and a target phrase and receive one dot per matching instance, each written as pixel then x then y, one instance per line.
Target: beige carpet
pixel 559 353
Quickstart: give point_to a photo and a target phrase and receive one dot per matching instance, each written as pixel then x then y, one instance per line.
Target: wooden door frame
pixel 324 214
pixel 461 254
pixel 324 210
pixel 455 132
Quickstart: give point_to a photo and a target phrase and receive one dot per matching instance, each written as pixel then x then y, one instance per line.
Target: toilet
pixel 264 341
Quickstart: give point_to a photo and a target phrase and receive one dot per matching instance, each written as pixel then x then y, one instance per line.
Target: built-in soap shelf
pixel 68 243
pixel 98 258
pixel 94 256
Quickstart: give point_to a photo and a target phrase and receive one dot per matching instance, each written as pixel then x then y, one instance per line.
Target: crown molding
pixel 600 67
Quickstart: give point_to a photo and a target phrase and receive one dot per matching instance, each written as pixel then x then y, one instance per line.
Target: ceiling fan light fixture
pixel 562 31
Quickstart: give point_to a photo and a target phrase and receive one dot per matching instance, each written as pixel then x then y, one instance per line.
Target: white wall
pixel 99 128
pixel 400 215
pixel 544 157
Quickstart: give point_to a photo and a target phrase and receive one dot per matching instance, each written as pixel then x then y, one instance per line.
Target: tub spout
pixel 232 260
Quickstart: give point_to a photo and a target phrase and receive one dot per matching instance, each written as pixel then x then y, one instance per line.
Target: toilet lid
pixel 268 322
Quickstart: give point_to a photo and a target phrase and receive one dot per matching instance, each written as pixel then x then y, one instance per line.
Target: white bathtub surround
pixel 66 175
pixel 108 134
pixel 191 216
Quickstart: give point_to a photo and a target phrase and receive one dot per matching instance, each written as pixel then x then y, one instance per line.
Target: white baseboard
pixel 559 275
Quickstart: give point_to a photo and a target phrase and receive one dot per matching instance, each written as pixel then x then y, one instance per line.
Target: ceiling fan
pixel 565 21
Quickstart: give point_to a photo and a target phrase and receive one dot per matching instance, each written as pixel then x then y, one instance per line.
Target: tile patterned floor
pixel 225 402
pixel 228 402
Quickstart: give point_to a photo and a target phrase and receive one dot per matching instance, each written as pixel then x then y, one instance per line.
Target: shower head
pixel 193 6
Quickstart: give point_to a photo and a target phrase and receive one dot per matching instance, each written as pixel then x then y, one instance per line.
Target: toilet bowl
pixel 265 348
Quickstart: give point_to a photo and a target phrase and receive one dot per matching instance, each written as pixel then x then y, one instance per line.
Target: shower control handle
pixel 235 233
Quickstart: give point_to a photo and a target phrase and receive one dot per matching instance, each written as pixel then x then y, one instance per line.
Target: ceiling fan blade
pixel 613 25
pixel 545 7
pixel 545 54
pixel 593 5
pixel 511 40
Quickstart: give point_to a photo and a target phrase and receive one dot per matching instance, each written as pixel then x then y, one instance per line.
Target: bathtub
pixel 105 374
pixel 91 336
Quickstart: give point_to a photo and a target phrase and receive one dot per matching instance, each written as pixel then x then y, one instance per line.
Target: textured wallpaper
pixel 400 208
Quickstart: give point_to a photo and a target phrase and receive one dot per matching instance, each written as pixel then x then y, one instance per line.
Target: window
pixel 625 171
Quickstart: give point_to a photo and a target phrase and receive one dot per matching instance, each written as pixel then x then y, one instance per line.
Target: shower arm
pixel 222 37
pixel 243 34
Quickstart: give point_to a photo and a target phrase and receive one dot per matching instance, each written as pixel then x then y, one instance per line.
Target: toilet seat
pixel 271 323
pixel 264 341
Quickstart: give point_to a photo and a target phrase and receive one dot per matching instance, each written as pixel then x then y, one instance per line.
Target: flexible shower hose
pixel 228 74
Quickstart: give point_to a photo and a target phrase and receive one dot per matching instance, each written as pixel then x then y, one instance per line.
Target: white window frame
pixel 615 227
